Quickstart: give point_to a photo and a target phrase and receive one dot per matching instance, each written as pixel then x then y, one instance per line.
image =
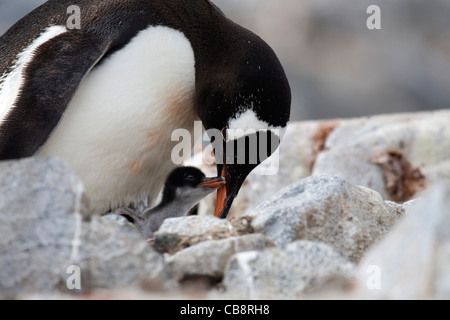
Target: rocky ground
pixel 358 210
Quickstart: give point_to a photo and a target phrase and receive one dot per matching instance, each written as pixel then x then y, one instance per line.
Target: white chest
pixel 116 132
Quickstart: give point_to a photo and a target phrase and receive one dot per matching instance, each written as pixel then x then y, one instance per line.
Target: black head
pixel 184 177
pixel 189 182
pixel 248 91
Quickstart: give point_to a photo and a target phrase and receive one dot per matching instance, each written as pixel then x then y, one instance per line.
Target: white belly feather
pixel 116 132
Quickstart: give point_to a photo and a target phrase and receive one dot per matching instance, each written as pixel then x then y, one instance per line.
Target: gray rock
pixel 41 203
pixel 46 233
pixel 114 256
pixel 284 273
pixel 327 209
pixel 413 261
pixel 396 155
pixel 209 258
pixel 176 234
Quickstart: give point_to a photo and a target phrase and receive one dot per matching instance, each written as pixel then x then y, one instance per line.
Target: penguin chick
pixel 183 189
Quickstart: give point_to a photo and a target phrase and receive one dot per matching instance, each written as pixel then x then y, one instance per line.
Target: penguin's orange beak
pixel 221 197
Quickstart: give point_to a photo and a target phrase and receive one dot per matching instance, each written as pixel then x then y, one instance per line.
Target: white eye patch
pixel 247 123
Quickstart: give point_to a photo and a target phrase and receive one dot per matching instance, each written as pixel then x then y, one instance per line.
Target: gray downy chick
pixel 183 189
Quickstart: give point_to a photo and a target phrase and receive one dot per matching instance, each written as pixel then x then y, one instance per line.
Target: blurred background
pixel 337 67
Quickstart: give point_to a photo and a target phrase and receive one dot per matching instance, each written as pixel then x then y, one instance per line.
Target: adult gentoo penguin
pixel 183 189
pixel 106 97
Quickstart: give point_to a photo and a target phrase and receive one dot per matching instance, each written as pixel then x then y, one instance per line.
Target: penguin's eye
pixel 190 178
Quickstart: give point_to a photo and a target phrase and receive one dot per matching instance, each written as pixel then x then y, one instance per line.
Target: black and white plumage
pixel 107 97
pixel 183 190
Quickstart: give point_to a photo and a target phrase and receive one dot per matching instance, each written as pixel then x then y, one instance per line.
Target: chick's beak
pixel 212 183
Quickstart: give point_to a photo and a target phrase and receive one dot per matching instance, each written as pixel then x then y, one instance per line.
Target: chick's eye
pixel 190 178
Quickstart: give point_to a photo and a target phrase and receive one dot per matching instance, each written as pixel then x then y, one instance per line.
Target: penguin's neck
pixel 172 205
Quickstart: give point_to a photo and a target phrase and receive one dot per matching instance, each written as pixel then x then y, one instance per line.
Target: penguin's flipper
pixel 51 79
